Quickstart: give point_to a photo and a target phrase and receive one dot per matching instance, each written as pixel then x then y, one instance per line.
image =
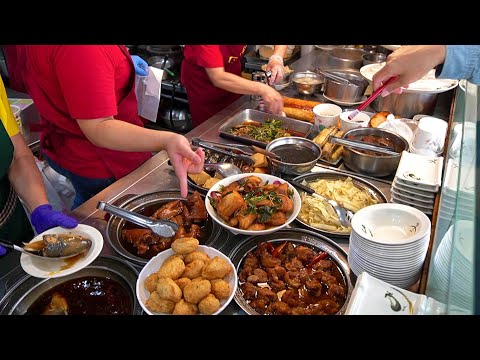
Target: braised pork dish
pixel 248 205
pixel 190 215
pixel 291 279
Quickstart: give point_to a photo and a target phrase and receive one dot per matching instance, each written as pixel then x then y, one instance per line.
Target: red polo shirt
pixel 204 98
pixel 69 82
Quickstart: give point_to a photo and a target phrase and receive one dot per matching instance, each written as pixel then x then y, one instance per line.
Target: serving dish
pixel 363 185
pixel 297 236
pixel 296 127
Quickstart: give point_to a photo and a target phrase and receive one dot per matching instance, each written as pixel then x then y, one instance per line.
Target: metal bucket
pixel 406 104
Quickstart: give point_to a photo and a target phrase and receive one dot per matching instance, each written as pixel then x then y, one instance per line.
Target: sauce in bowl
pixel 294 154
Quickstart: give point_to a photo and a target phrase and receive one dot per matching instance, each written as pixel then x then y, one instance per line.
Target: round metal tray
pixel 320 242
pixel 28 289
pixel 358 182
pixel 140 202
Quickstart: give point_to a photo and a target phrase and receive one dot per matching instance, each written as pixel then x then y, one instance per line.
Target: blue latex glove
pixel 141 66
pixel 44 218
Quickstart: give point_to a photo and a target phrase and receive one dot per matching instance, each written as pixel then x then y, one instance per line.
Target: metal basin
pixel 373 165
pixel 345 58
pixel 296 144
pixel 306 83
pixel 407 104
pixel 352 92
pixel 147 204
pixel 28 288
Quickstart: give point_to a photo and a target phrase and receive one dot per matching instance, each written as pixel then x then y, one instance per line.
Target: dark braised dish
pixel 376 140
pixel 291 279
pixel 190 215
pixel 89 295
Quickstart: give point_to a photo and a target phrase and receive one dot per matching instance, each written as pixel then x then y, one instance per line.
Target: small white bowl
pixel 327 114
pixel 392 224
pixel 361 120
pixel 297 202
pixel 154 264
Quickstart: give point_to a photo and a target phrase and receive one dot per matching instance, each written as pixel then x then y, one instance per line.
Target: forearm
pixel 25 176
pixel 461 62
pixel 119 135
pixel 280 50
pixel 236 84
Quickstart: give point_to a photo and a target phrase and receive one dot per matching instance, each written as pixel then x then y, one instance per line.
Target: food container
pixel 293 148
pixel 406 104
pixel 373 165
pixel 373 58
pixel 361 120
pixel 144 204
pixel 306 83
pixel 345 58
pixel 352 92
pixel 28 288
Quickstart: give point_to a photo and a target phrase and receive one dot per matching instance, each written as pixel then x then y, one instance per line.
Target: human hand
pixel 408 64
pixel 141 66
pixel 275 65
pixel 272 99
pixel 184 160
pixel 44 218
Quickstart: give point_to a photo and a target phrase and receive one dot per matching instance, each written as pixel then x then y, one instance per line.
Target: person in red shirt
pixel 90 129
pixel 212 77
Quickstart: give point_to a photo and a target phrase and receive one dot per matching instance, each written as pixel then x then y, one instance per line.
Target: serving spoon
pixel 73 251
pixel 224 169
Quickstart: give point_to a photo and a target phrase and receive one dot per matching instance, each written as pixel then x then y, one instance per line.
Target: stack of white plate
pixel 417 180
pixel 458 195
pixel 389 241
pixel 451 276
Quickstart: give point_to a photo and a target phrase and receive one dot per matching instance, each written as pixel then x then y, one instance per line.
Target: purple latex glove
pixel 44 218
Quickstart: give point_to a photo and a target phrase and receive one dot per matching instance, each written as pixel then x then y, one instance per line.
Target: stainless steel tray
pixel 248 114
pixel 360 183
pixel 299 236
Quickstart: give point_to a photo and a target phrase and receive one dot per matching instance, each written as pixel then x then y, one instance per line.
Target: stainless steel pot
pixel 139 203
pixel 373 165
pixel 352 92
pixel 295 142
pixel 306 82
pixel 28 288
pixel 406 104
pixel 345 58
pixel 174 115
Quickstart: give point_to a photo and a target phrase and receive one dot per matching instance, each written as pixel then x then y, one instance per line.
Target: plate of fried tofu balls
pixel 187 279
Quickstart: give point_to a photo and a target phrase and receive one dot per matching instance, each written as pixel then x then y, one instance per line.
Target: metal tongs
pixel 334 77
pixel 362 145
pixel 163 228
pixel 244 150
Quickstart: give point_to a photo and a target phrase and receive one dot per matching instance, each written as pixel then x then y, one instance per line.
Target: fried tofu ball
pixel 167 289
pixel 216 268
pixel 185 308
pixel 194 269
pixel 180 256
pixel 151 282
pixel 198 278
pixel 185 245
pixel 196 291
pixel 196 255
pixel 171 269
pixel 209 304
pixel 182 282
pixel 157 304
pixel 220 288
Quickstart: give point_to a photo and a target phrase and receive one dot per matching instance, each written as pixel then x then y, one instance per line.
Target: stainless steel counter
pixel 156 174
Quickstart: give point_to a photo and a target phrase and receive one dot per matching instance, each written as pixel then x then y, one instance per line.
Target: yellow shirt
pixel 6 115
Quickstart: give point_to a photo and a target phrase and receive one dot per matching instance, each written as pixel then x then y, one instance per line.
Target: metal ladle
pixel 163 228
pixel 224 169
pixel 38 254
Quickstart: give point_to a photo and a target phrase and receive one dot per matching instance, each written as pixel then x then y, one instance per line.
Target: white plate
pixel 419 205
pixel 463 84
pixel 406 197
pixel 426 211
pixel 398 126
pixel 51 268
pixel 412 190
pixel 426 85
pixel 154 264
pixel 425 171
pixel 391 47
pixel 345 103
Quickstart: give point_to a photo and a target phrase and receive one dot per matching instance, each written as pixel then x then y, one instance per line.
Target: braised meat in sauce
pixel 376 140
pixel 190 215
pixel 291 279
